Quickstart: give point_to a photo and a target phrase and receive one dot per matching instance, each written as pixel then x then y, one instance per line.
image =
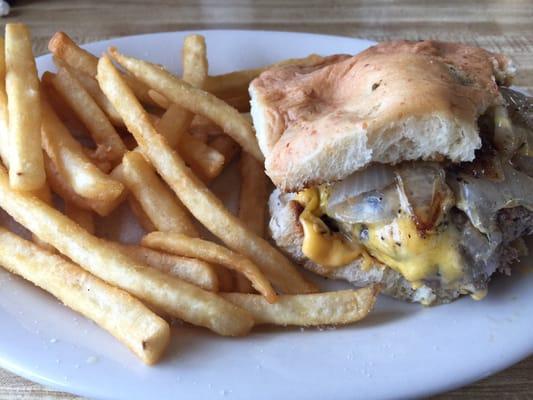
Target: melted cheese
pixel 398 244
pixel 320 244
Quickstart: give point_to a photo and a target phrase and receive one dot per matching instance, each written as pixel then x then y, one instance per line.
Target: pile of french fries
pixel 99 132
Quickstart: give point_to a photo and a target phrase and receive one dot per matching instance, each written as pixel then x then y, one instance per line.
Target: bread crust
pixel 393 102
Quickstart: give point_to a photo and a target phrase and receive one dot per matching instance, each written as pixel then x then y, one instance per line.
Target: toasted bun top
pixel 394 101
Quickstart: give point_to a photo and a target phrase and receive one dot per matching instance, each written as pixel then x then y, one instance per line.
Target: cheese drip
pixel 324 247
pixel 398 244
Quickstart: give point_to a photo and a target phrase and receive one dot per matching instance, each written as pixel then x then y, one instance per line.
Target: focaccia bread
pixel 393 102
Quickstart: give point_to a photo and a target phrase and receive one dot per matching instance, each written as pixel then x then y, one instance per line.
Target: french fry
pixel 242 285
pixel 96 159
pixel 26 165
pixel 192 99
pixel 191 270
pixel 4 119
pixel 109 144
pixel 226 146
pixel 203 159
pixel 202 125
pixel 58 184
pixel 172 295
pixel 63 110
pixel 203 204
pixel 206 161
pixel 253 196
pixel 183 245
pixel 44 194
pixel 226 278
pixel 122 315
pixel 148 209
pixel 330 308
pixel 83 218
pixel 159 99
pixel 91 86
pixel 159 203
pixel 234 84
pixel 173 124
pixel 142 218
pixel 71 162
pixel 195 65
pixel 65 49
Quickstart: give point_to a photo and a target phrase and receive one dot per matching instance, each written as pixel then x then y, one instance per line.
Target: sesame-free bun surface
pixel 393 102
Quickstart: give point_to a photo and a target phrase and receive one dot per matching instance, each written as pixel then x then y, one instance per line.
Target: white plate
pixel 400 350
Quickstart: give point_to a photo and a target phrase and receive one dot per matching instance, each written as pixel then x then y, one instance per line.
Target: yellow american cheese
pixel 320 244
pixel 397 244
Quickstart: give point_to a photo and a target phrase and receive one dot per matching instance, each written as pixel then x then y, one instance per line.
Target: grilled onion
pixel 375 177
pixel 424 193
pixel 369 207
pixel 481 199
pixel 374 195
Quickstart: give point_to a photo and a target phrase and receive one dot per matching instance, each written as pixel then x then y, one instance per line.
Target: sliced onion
pixel 369 207
pixel 481 199
pixel 375 177
pixel 424 192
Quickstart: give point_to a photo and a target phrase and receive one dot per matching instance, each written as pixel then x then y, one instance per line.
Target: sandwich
pixel 409 165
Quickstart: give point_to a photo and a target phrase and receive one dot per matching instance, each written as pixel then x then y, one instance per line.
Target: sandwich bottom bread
pixel 409 165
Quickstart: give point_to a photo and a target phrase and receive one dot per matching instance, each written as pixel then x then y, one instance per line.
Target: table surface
pixel 504 26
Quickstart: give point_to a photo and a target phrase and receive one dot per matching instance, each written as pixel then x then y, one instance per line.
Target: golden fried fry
pixel 58 184
pixel 26 165
pixel 253 196
pixel 109 144
pixel 226 278
pixel 159 203
pixel 142 218
pixel 225 145
pixel 330 308
pixel 191 270
pixel 203 204
pixel 235 84
pixel 186 246
pixel 173 124
pixel 193 99
pixel 68 156
pixel 4 119
pixel 91 86
pixel 64 48
pixel 83 218
pixel 203 159
pixel 122 315
pixel 172 295
pixel 195 65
